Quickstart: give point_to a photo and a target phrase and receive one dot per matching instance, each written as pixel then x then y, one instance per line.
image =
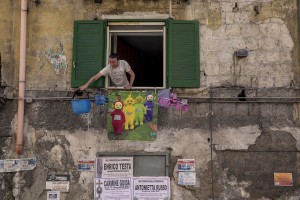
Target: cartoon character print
pixel 118 117
pixel 140 110
pixel 149 108
pixel 129 112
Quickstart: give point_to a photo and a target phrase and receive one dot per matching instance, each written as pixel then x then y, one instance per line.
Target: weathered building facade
pixel 243 121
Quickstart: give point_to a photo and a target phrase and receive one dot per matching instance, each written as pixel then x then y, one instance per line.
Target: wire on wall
pixel 211 142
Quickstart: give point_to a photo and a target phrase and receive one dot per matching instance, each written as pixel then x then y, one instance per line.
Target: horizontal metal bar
pixel 136 23
pixel 190 101
pixel 246 151
pixel 136 31
pixel 248 102
pixel 186 97
pixel 135 88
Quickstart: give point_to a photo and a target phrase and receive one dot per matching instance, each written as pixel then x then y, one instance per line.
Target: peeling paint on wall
pixel 57 59
pixel 229 138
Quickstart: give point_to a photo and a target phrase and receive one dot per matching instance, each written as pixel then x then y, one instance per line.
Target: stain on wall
pixel 56 58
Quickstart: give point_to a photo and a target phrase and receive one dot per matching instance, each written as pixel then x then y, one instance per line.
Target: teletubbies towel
pixel 140 109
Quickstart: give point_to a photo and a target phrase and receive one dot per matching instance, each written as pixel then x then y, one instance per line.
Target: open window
pixel 142 45
pixel 162 53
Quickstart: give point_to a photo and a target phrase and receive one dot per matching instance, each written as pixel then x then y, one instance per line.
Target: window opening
pixel 142 45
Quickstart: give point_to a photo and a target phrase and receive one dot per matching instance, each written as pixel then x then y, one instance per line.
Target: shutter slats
pixel 183 60
pixel 88 52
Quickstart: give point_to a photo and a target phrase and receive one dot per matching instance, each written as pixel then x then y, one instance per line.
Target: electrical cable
pixel 211 143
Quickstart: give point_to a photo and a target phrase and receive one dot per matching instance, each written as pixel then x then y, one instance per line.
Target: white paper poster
pixel 14 165
pixel 58 182
pixel 27 163
pixel 117 167
pixel 63 186
pixel 112 189
pixel 11 165
pixel 1 165
pixel 187 178
pixel 150 188
pixel 53 195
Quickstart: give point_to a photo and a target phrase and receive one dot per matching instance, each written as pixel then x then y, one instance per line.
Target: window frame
pixel 136 23
pixel 133 154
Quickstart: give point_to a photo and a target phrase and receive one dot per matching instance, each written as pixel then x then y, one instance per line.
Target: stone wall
pixel 237 145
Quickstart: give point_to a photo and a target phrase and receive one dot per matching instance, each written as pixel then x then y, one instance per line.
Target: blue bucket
pixel 80 106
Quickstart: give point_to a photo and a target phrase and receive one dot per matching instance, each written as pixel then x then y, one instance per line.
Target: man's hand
pixel 128 87
pixel 81 88
pixel 95 77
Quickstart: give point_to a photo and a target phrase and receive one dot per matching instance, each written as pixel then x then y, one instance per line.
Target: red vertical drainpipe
pixel 20 128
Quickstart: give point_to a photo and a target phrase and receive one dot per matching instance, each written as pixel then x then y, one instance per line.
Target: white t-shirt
pixel 118 74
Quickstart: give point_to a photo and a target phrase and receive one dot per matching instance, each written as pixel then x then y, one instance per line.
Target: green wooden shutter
pixel 183 54
pixel 88 52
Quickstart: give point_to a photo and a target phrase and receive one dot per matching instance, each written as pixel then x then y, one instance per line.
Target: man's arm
pixel 94 78
pixel 132 77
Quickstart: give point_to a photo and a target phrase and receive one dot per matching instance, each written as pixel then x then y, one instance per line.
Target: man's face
pixel 113 62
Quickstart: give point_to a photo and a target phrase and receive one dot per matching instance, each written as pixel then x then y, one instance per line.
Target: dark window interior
pixel 144 53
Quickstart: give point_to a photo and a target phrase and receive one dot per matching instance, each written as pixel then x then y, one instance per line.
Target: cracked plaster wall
pixel 58 138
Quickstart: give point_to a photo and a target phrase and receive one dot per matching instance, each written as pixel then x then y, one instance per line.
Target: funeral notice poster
pixel 112 188
pixel 149 188
pixel 113 167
